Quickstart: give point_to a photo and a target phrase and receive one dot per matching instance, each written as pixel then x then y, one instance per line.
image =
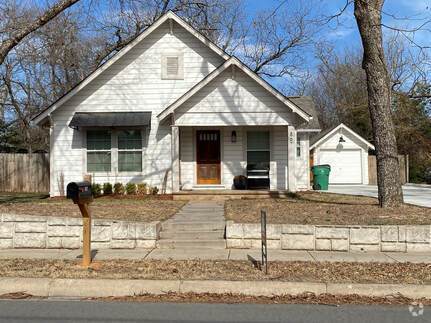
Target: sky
pixel 345 32
pixel 342 33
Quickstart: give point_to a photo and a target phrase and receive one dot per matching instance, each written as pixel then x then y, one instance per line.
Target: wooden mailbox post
pixel 80 193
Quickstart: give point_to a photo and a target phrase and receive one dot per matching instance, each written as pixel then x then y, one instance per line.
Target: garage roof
pixel 319 138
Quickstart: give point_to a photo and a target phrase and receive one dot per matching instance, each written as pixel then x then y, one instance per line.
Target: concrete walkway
pixel 219 254
pixel 413 194
pixel 199 224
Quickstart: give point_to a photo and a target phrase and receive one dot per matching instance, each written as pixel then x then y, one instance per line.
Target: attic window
pixel 172 67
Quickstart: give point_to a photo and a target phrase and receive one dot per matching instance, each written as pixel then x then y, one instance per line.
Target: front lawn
pixel 7 197
pixel 145 209
pixel 325 208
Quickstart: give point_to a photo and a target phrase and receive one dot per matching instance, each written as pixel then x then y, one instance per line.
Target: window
pixel 129 151
pixel 98 151
pixel 258 150
pixel 172 67
pixel 298 146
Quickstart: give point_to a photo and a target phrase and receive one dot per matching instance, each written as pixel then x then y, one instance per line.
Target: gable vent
pixel 172 66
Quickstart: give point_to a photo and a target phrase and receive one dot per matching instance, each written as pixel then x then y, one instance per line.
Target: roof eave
pixel 169 15
pixel 232 61
pixel 341 125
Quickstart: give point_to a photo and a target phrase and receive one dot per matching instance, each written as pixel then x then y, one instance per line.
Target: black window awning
pixel 110 119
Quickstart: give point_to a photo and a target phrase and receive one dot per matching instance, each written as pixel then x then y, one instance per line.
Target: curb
pixel 47 287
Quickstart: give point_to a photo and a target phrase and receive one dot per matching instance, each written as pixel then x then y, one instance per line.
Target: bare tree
pixel 368 16
pixel 17 34
pixel 275 41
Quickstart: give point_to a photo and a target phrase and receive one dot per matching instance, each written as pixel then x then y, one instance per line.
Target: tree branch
pixel 19 35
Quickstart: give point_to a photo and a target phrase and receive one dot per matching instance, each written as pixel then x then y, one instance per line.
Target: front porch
pixel 206 160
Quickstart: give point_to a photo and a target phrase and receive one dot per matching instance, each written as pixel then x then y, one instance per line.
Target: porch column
pixel 291 159
pixel 175 151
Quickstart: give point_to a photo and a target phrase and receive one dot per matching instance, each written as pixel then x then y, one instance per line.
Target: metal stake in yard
pixel 264 245
pixel 80 193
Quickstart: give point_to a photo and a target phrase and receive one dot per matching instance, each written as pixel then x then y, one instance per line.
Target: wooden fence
pixel 24 173
pixel 404 169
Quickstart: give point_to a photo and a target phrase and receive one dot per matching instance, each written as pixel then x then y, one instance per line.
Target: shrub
pixel 142 189
pixel 118 188
pixel 154 190
pixel 107 188
pixel 96 189
pixel 131 188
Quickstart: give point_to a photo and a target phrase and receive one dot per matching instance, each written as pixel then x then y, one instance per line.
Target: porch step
pixel 190 244
pixel 192 235
pixel 208 187
pixel 193 226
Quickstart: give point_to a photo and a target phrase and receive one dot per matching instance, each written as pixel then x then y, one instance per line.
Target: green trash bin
pixel 321 177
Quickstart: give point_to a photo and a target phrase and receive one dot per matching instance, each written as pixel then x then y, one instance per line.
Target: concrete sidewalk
pixel 80 288
pixel 218 254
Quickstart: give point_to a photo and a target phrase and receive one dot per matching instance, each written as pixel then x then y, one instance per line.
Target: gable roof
pixel 168 16
pixel 233 61
pixel 319 138
pixel 306 103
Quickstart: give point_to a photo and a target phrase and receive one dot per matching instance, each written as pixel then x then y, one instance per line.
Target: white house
pixel 173 110
pixel 345 151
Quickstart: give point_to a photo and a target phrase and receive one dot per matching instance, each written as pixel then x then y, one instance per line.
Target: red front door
pixel 208 156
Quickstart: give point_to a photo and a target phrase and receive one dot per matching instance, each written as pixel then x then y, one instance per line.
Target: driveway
pixel 413 194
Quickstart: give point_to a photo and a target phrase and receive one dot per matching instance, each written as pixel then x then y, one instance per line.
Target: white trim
pixel 233 61
pixel 169 15
pixel 341 125
pixel 308 130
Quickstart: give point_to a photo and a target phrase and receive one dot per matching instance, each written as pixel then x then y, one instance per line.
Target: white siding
pixel 233 155
pixel 302 169
pixel 278 172
pixel 133 83
pixel 187 158
pixel 233 101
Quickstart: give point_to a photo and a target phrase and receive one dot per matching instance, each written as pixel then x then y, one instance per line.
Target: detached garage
pixel 345 151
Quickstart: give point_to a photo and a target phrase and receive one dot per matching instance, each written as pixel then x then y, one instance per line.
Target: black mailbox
pixel 79 192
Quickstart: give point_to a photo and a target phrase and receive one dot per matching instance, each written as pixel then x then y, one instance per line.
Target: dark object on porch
pixel 321 177
pixel 240 182
pixel 257 177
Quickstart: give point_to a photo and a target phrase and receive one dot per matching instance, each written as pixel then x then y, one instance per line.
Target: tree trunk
pixel 368 14
pixel 9 43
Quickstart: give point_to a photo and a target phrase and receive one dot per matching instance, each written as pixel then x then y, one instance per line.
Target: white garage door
pixel 345 166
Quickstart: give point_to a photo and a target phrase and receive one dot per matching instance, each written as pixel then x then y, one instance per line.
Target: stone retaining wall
pixel 398 238
pixel 25 231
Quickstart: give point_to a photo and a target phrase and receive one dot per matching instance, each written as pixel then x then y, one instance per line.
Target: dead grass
pixel 305 298
pixel 144 209
pixel 325 208
pixel 228 298
pixel 340 272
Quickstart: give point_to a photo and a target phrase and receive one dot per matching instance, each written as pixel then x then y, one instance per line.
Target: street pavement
pixel 91 311
pixel 413 194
